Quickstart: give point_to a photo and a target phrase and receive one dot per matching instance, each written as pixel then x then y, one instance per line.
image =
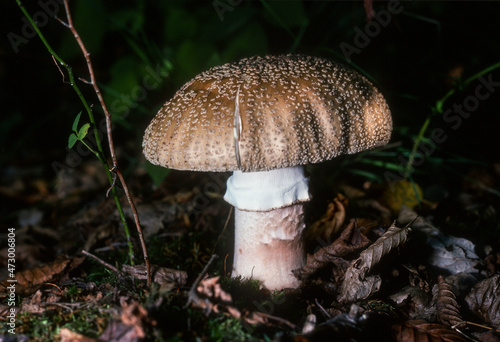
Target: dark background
pixel 427 50
pixel 421 54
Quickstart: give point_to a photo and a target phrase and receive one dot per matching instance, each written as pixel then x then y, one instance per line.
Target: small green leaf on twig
pixel 72 140
pixel 78 134
pixel 75 123
pixel 83 131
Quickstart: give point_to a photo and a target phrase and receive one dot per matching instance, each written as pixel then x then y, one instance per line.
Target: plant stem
pixel 100 153
pixel 116 168
pixel 438 109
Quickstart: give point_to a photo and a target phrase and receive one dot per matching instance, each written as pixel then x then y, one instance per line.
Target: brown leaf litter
pixel 30 280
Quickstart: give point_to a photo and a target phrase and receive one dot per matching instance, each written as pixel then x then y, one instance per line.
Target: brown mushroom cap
pixel 294 110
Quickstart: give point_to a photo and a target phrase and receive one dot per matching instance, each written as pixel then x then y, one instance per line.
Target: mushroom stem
pixel 269 220
pixel 268 245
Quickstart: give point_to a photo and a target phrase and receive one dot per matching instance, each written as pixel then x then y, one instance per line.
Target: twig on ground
pixel 192 296
pixel 102 262
pixel 277 319
pixel 322 309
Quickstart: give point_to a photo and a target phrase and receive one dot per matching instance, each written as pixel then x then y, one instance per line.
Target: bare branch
pixel 107 115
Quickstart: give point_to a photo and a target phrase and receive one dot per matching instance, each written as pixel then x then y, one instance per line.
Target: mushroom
pixel 264 118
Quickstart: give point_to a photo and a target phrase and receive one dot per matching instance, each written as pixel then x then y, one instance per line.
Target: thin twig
pixel 100 153
pixel 107 115
pixel 113 184
pixel 322 308
pixel 68 306
pixel 223 229
pixel 481 326
pixel 59 68
pixel 102 262
pixel 192 296
pixel 277 319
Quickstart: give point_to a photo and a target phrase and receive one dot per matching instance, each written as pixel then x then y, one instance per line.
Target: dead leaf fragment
pixel 349 242
pixel 167 278
pixel 451 254
pixel 356 288
pixel 402 192
pixel 422 331
pixel 132 326
pixel 71 336
pixel 117 331
pixel 415 302
pixel 135 315
pixel 330 223
pixel 484 300
pixel 448 310
pixel 393 238
pixel 212 298
pixel 357 285
pixel 29 281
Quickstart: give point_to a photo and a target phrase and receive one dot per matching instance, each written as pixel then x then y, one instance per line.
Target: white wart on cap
pixel 264 118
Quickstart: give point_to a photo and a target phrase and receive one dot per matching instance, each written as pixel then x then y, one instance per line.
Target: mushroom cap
pixel 290 110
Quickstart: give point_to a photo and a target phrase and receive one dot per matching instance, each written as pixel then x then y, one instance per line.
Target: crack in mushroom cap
pixel 294 109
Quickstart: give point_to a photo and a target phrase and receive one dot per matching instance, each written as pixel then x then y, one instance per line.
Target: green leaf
pixel 366 174
pixel 75 123
pixel 83 131
pixel 72 140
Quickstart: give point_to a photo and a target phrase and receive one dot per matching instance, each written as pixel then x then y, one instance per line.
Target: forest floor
pixel 382 263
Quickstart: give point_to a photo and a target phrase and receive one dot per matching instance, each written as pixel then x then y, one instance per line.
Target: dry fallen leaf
pixel 29 281
pixel 422 331
pixel 134 314
pixel 131 327
pixel 167 278
pixel 210 297
pixel 484 300
pixel 71 336
pixel 448 310
pixel 415 302
pixel 330 223
pixel 400 193
pixel 447 253
pixel 453 254
pixel 350 241
pixel 357 284
pixel 117 331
